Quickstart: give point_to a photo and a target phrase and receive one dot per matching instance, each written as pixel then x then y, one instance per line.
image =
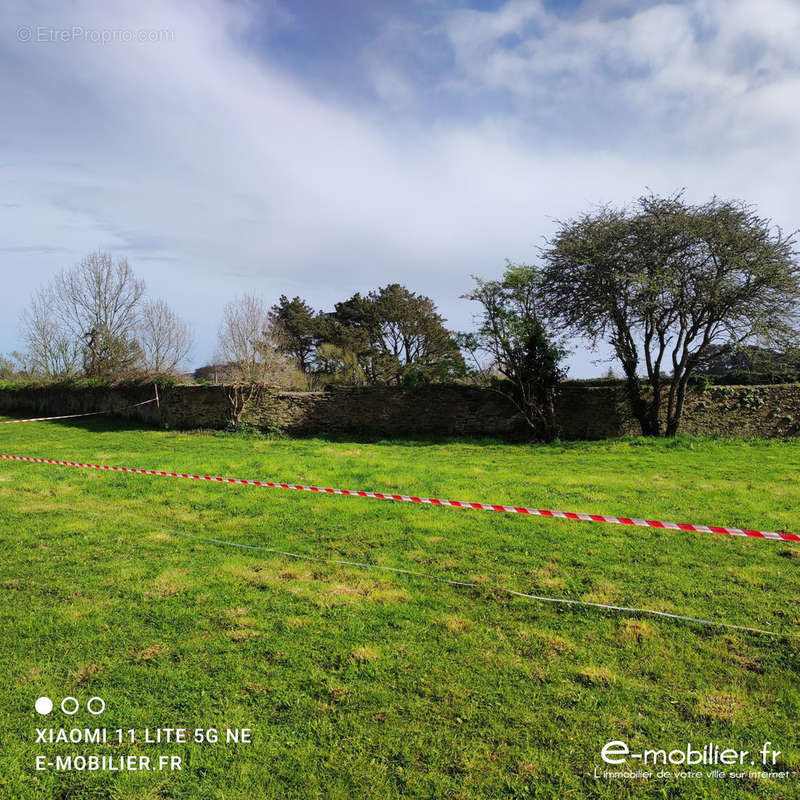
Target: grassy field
pixel 367 683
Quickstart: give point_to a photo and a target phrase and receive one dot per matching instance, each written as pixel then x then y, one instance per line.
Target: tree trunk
pixel 550 428
pixel 239 395
pixel 674 419
pixel 654 410
pixel 640 408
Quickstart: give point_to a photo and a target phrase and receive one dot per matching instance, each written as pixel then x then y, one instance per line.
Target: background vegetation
pixel 677 290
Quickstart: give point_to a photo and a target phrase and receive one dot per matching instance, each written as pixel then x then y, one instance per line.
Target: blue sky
pixel 323 148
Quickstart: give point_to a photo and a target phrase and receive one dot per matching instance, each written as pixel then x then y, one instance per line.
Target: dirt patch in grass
pixel 595 676
pixel 238 611
pixel 605 592
pixel 294 575
pixel 458 625
pixel 169 583
pixel 331 451
pixel 387 595
pixel 634 630
pixel 241 634
pixel 361 655
pixel 30 675
pixel 338 693
pixel 555 645
pixel 296 623
pixel 150 653
pixel 550 568
pixel 740 653
pixel 721 707
pixel 81 675
pixel 326 595
pixel 259 577
pixel 502 659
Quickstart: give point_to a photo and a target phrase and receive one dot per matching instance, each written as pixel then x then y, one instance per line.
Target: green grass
pixel 364 683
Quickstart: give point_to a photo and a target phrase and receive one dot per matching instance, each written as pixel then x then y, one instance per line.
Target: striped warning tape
pixel 75 416
pixel 539 512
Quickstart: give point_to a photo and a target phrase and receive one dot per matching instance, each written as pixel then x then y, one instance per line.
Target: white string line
pixel 473 585
pixel 75 416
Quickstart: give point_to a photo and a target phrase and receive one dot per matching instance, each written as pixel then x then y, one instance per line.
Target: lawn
pixel 368 683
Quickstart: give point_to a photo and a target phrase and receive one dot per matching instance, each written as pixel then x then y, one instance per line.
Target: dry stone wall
pixel 584 411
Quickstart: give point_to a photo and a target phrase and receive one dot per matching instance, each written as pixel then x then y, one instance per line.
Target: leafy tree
pixel 395 335
pixel 722 359
pixel 106 354
pixel 8 369
pixel 514 331
pixel 348 330
pixel 411 336
pixel 294 326
pixel 665 280
pixel 338 365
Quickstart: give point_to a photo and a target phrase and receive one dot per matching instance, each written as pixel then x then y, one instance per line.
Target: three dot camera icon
pixel 71 705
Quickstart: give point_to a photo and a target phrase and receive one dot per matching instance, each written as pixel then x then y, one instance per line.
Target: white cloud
pixel 715 69
pixel 215 172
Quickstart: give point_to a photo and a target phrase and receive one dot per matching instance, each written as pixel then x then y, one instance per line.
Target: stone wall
pixel 584 412
pixel 772 411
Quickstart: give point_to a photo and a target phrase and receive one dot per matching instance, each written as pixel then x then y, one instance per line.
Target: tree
pixel 513 329
pixel 165 338
pixel 51 351
pixel 345 341
pixel 723 359
pixel 92 320
pixel 295 330
pixel 8 369
pixel 479 366
pixel 106 355
pixel 665 280
pixel 396 336
pixel 96 305
pixel 246 344
pixel 338 365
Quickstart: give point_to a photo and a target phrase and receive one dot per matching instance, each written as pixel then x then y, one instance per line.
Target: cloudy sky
pixel 325 147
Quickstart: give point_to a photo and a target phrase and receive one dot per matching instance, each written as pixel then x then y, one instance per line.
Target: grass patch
pixel 369 683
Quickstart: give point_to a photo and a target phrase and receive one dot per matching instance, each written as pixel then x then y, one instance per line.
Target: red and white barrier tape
pixel 74 416
pixel 539 512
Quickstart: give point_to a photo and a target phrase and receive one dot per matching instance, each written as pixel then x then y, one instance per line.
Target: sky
pixel 324 147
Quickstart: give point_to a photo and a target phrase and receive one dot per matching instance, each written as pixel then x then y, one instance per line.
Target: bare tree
pixel 98 301
pixel 165 338
pixel 246 344
pixel 51 349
